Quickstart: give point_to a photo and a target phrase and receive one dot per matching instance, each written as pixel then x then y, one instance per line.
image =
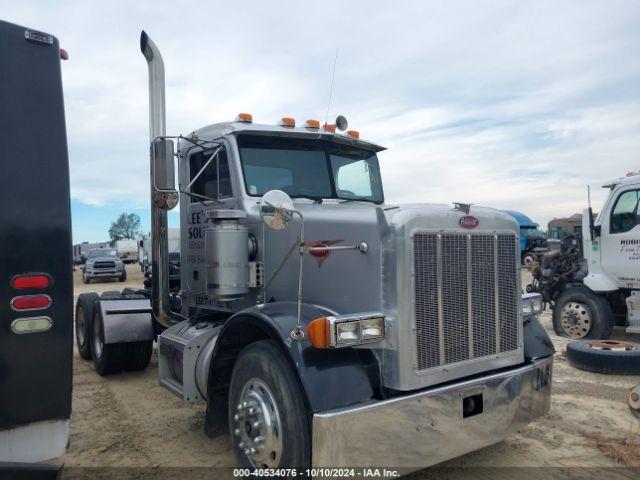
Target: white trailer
pixel 127 250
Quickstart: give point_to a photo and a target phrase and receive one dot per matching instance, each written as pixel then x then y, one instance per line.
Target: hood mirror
pixel 276 209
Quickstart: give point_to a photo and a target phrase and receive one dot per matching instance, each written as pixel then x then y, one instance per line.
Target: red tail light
pixel 27 282
pixel 31 302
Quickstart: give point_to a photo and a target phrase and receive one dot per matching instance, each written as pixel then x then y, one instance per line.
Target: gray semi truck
pixel 320 325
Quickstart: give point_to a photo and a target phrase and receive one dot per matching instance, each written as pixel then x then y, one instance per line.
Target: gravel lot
pixel 128 420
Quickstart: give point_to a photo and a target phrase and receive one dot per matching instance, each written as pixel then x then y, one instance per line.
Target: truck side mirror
pixel 164 192
pixel 276 208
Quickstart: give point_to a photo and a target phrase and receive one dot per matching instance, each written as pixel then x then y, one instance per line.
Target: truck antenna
pixel 333 76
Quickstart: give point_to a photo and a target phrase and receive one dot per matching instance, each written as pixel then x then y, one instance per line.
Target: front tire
pixel 107 358
pixel 85 279
pixel 267 415
pixel 123 277
pixel 83 320
pixel 580 313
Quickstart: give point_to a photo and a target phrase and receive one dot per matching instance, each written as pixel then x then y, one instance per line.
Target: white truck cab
pixel 612 248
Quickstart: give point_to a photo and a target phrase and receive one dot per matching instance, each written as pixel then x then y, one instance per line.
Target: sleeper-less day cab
pixel 321 325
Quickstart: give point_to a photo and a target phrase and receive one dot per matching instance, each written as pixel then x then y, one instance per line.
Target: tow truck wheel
pixel 107 358
pixel 267 414
pixel 83 318
pixel 580 313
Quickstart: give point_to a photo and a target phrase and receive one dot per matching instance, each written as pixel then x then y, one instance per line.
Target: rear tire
pixel 83 321
pixel 267 415
pixel 137 355
pixel 580 313
pixel 107 358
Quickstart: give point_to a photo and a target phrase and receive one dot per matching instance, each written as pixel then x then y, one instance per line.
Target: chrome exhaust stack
pixel 163 194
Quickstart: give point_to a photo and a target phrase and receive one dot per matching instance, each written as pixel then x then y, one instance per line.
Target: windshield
pixel 104 252
pixel 309 168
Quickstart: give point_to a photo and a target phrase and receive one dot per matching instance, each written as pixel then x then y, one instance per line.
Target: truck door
pixel 620 238
pixel 36 289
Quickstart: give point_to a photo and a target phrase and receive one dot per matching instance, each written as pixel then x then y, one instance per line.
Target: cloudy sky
pixel 509 104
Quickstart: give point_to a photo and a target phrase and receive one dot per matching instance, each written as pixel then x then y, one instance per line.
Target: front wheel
pixel 123 277
pixel 581 313
pixel 267 414
pixel 85 279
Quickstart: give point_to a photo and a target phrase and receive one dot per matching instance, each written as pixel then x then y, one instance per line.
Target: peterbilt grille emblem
pixel 468 221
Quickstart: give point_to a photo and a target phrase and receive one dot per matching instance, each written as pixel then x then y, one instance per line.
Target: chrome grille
pixel 466 296
pixel 104 264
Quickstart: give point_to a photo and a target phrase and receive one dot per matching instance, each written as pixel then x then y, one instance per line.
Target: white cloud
pixel 511 104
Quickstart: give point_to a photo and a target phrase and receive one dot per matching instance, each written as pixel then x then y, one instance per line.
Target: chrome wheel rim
pixel 80 327
pixel 97 341
pixel 528 261
pixel 257 428
pixel 575 319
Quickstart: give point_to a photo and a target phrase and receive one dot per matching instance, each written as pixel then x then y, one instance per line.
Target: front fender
pixel 330 378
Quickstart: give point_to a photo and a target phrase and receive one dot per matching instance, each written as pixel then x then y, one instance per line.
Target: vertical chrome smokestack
pixel 159 234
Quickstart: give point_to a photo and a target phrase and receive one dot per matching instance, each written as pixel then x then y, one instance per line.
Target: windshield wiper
pixel 308 197
pixel 360 199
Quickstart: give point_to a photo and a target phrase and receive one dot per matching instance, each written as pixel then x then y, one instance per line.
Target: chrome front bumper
pixel 425 428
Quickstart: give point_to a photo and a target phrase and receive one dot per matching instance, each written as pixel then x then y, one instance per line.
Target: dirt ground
pixel 128 420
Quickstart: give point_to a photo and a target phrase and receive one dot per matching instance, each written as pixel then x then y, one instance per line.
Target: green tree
pixel 126 226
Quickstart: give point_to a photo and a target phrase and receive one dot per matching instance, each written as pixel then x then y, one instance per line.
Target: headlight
pixel 532 304
pixel 346 330
pixel 372 328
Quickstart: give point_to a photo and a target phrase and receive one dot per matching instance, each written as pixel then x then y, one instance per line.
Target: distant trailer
pixel 36 284
pixel 81 250
pixel 127 250
pixel 559 228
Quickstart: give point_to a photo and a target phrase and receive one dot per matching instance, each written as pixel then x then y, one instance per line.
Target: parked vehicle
pixel 559 228
pixel 594 282
pixel 36 293
pixel 103 263
pixel 533 242
pixel 408 325
pixel 144 249
pixel 127 250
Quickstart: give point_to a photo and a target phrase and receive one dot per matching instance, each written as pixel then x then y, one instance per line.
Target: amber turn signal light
pixel 318 332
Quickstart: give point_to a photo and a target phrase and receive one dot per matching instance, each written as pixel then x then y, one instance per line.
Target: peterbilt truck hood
pixel 348 280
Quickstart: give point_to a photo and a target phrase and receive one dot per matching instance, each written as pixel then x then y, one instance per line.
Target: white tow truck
pixel 593 284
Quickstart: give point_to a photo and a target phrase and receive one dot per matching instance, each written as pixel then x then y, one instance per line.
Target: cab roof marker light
pixel 314 124
pixel 353 134
pixel 328 127
pixel 244 118
pixel 287 122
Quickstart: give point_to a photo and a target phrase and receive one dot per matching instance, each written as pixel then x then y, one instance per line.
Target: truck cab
pixel 322 325
pixel 612 250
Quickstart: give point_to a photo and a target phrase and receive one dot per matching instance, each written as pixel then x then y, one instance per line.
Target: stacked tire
pixel 113 357
pixel 605 356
